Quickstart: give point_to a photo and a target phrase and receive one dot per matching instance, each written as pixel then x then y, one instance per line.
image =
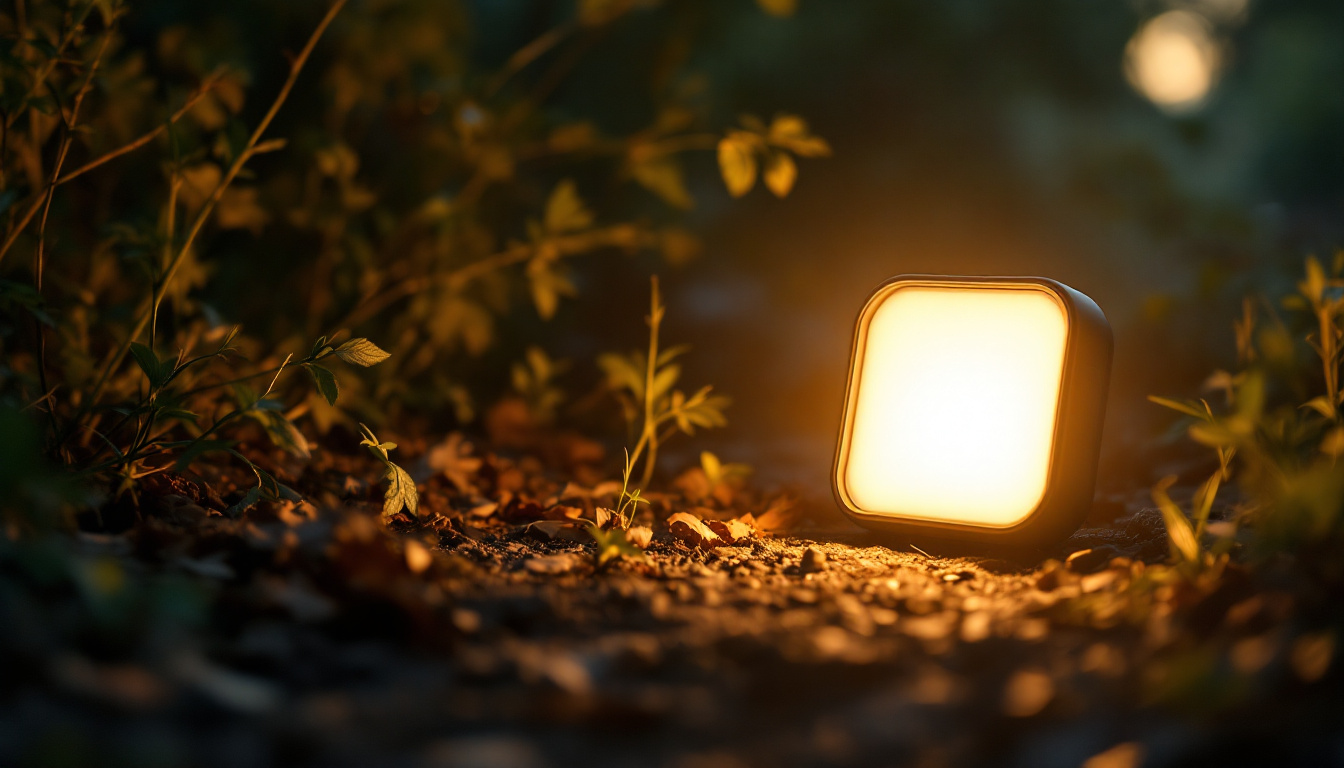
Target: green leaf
pixel 282 432
pixel 565 211
pixel 400 492
pixel 737 163
pixel 1188 408
pixel 326 382
pixel 361 352
pixel 1184 544
pixel 1203 501
pixel 249 499
pixel 612 544
pixel 155 370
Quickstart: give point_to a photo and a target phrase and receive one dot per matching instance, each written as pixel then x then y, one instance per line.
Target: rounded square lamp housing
pixel 974 409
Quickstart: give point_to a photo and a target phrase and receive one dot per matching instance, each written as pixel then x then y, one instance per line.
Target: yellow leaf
pixel 791 133
pixel 565 211
pixel 778 7
pixel 662 176
pixel 1183 541
pixel 737 163
pixel 780 172
pixel 1314 286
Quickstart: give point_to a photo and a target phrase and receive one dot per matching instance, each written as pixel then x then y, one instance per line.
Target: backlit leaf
pixel 662 176
pixel 325 380
pixel 565 211
pixel 1182 536
pixel 737 163
pixel 361 352
pixel 780 173
pixel 400 493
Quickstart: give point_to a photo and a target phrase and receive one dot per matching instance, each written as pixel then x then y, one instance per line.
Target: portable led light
pixel 974 409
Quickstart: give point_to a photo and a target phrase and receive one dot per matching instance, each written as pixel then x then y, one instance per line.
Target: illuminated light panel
pixel 956 404
pixel 974 408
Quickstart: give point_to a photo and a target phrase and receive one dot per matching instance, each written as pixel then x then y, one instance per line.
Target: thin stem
pixel 27 217
pixel 170 231
pixel 528 54
pixel 39 267
pixel 619 235
pixel 295 68
pixel 246 154
pixel 650 436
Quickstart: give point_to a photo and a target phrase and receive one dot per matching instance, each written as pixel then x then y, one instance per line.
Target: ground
pixel 317 634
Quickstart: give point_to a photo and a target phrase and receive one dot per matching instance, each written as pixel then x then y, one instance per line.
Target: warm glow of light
pixel 954 413
pixel 1173 60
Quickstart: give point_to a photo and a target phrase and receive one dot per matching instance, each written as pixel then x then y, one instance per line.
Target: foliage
pixel 1282 432
pixel 645 382
pixel 614 530
pixel 401 493
pixel 148 212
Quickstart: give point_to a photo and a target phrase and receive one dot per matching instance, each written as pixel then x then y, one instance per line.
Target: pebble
pixel 814 560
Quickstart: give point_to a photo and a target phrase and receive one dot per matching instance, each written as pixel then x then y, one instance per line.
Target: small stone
pixel 813 560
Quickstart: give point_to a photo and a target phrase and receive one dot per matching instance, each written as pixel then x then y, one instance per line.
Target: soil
pixel 315 634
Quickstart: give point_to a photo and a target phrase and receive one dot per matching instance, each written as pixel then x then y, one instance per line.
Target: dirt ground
pixel 312 634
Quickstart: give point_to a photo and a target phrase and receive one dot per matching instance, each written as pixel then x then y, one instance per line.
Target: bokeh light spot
pixel 1173 60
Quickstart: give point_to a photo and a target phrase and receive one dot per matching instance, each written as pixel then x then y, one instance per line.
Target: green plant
pixel 1282 450
pixel 614 530
pixel 401 493
pixel 645 383
pixel 137 225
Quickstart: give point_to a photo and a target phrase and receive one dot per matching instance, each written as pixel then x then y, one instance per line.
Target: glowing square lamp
pixel 974 409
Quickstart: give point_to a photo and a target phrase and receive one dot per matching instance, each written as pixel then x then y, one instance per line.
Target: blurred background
pixel 1164 157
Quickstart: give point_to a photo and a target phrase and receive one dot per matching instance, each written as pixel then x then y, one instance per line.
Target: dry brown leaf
pixel 692 530
pixel 551 530
pixel 484 510
pixel 640 536
pixel 732 531
pixel 781 515
pixel 455 460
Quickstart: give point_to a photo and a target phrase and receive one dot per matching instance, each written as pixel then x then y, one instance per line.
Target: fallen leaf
pixel 552 530
pixel 692 531
pixel 732 531
pixel 640 535
pixel 454 460
pixel 781 515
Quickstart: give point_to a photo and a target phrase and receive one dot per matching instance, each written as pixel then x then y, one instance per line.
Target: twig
pixel 39 266
pixel 296 66
pixel 528 54
pixel 370 306
pixel 27 217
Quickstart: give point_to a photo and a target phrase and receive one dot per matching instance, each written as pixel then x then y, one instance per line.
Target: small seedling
pixel 400 492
